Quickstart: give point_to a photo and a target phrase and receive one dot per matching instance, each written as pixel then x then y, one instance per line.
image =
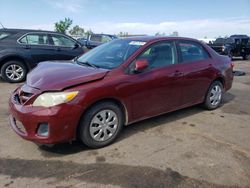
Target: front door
pixel 64 47
pixel 155 90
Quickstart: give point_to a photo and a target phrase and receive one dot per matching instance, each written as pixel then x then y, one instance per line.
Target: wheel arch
pixel 13 58
pixel 108 99
pixel 221 80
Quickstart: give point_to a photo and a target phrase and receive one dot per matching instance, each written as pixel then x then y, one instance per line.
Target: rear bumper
pixel 61 119
pixel 229 79
pixel 228 85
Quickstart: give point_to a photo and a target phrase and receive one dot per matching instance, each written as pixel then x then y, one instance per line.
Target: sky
pixel 191 18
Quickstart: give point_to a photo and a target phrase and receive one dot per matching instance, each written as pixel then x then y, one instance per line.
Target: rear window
pixel 4 35
pixel 220 41
pixel 229 41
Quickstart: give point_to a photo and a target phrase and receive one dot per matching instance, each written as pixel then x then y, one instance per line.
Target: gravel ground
pixel 187 148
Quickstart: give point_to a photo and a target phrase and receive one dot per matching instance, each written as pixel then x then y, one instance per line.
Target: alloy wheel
pixel 215 95
pixel 14 72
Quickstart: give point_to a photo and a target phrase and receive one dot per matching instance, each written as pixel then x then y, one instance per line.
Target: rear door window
pixel 35 39
pixel 191 51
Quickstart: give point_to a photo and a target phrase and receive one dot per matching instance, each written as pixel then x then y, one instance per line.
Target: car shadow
pixel 77 146
pixel 1 80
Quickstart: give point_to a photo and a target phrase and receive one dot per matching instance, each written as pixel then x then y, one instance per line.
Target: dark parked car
pixel 94 40
pixel 116 84
pixel 21 50
pixel 235 45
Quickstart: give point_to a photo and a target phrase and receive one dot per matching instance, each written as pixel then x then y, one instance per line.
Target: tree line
pixel 63 26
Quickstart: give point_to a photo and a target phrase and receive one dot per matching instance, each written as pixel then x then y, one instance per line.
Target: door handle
pixel 58 49
pixel 27 47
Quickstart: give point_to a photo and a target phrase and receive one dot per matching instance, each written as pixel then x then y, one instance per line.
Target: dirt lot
pixel 188 148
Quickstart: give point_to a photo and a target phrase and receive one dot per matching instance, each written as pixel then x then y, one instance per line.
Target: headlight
pixel 54 98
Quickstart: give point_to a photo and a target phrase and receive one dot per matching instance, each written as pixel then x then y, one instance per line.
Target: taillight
pixel 232 64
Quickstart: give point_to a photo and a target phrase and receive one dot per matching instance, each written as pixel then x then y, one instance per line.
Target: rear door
pixel 196 67
pixel 64 47
pixel 37 46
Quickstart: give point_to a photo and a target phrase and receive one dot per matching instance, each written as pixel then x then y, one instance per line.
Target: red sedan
pixel 118 83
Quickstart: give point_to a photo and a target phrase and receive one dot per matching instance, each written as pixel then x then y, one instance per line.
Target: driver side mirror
pixel 76 46
pixel 141 65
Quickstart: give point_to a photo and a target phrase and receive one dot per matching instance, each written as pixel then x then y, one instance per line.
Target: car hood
pixel 58 75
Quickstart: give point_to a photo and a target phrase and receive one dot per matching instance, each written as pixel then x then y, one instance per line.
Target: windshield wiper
pixel 87 63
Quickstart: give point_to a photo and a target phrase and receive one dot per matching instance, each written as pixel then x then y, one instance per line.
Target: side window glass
pixel 23 40
pixel 35 39
pixel 192 52
pixel 59 40
pixel 106 39
pixel 159 55
pixel 96 38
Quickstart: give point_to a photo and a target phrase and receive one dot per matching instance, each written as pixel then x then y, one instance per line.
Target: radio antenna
pixel 2 25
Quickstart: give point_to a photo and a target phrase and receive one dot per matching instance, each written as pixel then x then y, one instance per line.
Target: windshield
pixel 112 54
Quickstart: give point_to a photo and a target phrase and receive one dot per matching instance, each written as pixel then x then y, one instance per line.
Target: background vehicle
pixel 94 40
pixel 235 45
pixel 116 84
pixel 21 50
pixel 82 40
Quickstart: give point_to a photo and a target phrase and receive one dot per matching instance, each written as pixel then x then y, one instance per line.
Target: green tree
pixel 63 25
pixel 174 34
pixel 122 34
pixel 77 31
pixel 160 34
pixel 89 32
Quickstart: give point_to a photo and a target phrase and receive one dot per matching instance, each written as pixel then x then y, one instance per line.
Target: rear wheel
pixel 214 96
pixel 14 71
pixel 230 54
pixel 101 125
pixel 244 57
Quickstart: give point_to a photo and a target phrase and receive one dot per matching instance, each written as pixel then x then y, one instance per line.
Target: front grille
pixel 22 97
pixel 16 99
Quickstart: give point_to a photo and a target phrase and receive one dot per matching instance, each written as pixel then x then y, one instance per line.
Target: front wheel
pixel 214 96
pixel 14 71
pixel 101 125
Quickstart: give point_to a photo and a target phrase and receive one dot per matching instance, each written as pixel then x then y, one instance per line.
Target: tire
pixel 215 89
pixel 94 132
pixel 244 57
pixel 14 71
pixel 230 55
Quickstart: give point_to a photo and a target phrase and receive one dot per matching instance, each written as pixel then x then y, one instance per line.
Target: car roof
pixel 101 34
pixel 26 30
pixel 158 38
pixel 239 36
